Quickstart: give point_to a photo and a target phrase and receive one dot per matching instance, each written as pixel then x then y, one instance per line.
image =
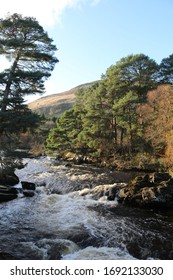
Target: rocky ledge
pixel 149 191
pixel 8 191
pixel 152 191
pixel 28 188
pixel 8 179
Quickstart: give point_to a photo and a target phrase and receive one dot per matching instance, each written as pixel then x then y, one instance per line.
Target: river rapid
pixel 70 217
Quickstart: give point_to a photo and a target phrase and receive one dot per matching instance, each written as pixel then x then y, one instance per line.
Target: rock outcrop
pixel 28 188
pixel 153 191
pixel 7 193
pixel 8 179
pixel 109 192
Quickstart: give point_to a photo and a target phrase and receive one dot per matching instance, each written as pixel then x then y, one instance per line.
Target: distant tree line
pixel 128 114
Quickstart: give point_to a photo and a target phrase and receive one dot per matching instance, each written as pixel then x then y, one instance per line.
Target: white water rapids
pixel 70 218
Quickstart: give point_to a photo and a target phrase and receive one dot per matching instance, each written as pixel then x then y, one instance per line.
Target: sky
pixel 92 35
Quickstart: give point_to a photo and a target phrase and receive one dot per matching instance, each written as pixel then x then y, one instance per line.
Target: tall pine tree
pixel 30 53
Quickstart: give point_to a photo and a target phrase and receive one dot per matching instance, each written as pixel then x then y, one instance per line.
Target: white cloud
pixel 46 12
pixel 95 2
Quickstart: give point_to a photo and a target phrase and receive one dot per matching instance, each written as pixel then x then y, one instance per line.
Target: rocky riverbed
pixel 85 212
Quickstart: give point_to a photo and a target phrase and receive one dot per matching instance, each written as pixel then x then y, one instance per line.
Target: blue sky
pixel 91 35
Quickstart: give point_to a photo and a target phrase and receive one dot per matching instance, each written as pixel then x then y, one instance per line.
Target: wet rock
pixel 148 191
pixel 78 159
pixel 6 189
pixel 28 193
pixel 54 253
pixel 110 192
pixel 160 177
pixel 7 193
pixel 28 186
pixel 7 256
pixel 113 191
pixel 8 179
pixel 68 165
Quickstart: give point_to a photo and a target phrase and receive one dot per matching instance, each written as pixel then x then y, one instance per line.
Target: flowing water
pixel 70 218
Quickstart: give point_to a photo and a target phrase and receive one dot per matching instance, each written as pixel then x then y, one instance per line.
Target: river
pixel 70 217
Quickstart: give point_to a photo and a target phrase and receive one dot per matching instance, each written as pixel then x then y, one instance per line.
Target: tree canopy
pixel 121 115
pixel 31 58
pixel 31 54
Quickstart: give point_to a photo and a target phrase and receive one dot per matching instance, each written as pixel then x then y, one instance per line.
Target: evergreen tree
pixel 166 70
pixel 96 121
pixel 125 113
pixel 30 53
pixel 62 137
pixel 127 83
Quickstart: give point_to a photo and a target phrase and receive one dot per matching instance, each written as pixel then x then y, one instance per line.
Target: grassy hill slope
pixel 55 104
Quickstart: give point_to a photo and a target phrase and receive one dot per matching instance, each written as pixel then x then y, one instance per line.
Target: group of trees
pixel 127 113
pixel 31 58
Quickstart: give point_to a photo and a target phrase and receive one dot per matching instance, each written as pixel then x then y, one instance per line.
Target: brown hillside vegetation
pixel 56 104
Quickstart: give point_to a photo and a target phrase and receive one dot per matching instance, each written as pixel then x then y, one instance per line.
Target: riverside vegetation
pixel 125 120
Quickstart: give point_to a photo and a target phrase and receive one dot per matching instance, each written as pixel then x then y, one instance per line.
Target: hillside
pixel 56 104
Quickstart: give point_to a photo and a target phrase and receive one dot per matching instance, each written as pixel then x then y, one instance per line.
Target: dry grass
pixel 51 100
pixel 63 97
pixel 54 105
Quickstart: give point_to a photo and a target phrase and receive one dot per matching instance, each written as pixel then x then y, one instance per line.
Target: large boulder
pixel 8 179
pixel 154 190
pixel 28 188
pixel 7 193
pixel 28 185
pixel 28 193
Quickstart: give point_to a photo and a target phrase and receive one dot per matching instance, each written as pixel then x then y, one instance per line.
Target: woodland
pixel 124 120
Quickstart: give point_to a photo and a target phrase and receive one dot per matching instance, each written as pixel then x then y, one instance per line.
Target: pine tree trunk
pixel 121 140
pixel 9 83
